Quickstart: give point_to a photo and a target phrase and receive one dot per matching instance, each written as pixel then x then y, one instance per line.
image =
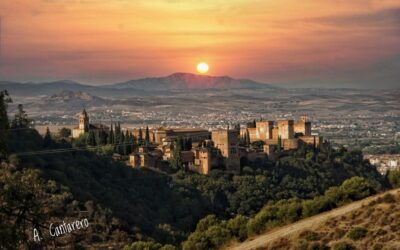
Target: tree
pixel 26 203
pixel 188 144
pixel 65 132
pixel 180 142
pixel 357 188
pixel 101 138
pixel 117 135
pixel 140 137
pixel 47 140
pixel 258 144
pixel 279 147
pixel 111 136
pixel 176 161
pixel 4 123
pixel 394 178
pixel 91 139
pixel 21 119
pixel 147 135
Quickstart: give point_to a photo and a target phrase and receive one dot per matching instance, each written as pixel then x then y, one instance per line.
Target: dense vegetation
pixel 153 206
pixel 212 233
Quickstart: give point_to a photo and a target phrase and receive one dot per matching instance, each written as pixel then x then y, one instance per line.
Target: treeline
pixel 113 141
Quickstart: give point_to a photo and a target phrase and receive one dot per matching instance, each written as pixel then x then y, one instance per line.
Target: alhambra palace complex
pixel 216 148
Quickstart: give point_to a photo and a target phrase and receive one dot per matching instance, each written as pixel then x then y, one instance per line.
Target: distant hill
pixel 187 81
pixel 46 88
pixel 54 88
pixel 73 99
pixel 146 86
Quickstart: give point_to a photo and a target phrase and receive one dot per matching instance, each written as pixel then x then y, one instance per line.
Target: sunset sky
pixel 324 43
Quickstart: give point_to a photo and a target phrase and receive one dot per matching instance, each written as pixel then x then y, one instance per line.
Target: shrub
pixel 378 246
pixel 381 231
pixel 394 178
pixel 357 233
pixel 238 228
pixel 357 188
pixel 312 236
pixel 389 198
pixel 317 246
pixel 141 245
pixel 343 246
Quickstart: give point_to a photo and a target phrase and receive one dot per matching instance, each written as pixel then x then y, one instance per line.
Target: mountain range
pixel 154 85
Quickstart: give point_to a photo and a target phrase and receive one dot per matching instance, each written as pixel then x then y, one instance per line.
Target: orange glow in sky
pixel 286 41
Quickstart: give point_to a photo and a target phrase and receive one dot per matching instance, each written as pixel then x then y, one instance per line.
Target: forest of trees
pixel 159 210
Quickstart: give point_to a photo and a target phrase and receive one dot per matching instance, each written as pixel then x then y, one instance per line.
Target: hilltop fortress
pixel 230 148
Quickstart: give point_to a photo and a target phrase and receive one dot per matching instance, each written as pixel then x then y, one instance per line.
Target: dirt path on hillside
pixel 307 223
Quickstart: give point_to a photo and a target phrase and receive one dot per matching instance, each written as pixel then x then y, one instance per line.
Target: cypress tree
pixel 176 161
pixel 279 143
pixel 134 144
pixel 189 144
pixel 247 138
pixel 117 137
pixel 47 140
pixel 91 139
pixel 140 139
pixel 111 136
pixel 147 135
pixel 180 143
pixel 122 149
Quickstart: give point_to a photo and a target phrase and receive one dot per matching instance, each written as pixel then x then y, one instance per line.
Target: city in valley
pixel 355 118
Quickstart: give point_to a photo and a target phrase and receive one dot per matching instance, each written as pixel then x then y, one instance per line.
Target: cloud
pixel 381 17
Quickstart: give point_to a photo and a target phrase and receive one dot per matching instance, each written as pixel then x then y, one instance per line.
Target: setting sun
pixel 202 68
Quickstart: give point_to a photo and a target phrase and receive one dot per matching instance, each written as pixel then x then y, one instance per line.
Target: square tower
pixel 285 128
pixel 227 141
pixel 264 130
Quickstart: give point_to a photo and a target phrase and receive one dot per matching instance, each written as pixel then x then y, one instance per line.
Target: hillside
pixel 371 223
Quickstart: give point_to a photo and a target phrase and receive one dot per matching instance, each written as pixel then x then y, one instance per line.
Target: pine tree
pixel 21 119
pixel 4 123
